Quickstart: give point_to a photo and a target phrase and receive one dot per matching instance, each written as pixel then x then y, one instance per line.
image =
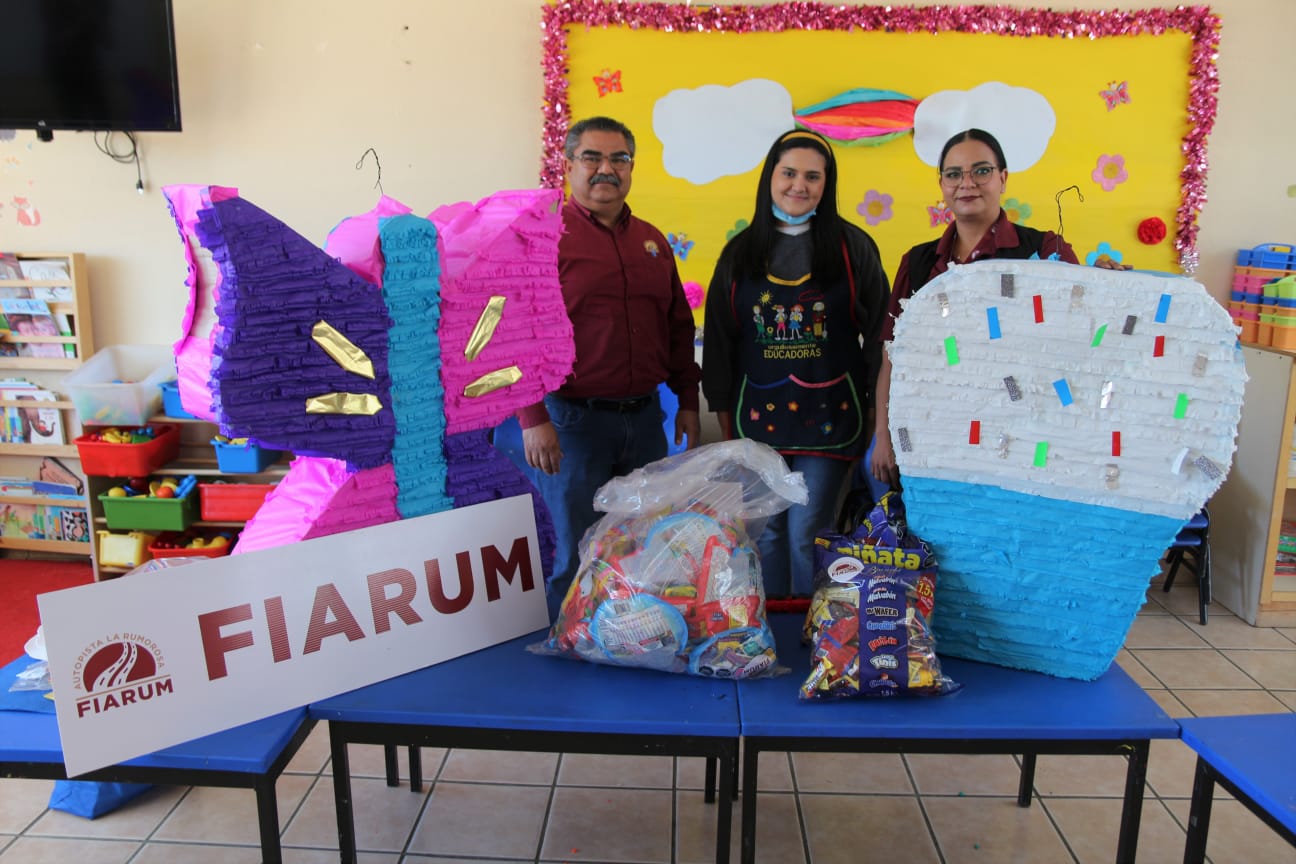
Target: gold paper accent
pixel 343 351
pixel 485 329
pixel 492 381
pixel 344 403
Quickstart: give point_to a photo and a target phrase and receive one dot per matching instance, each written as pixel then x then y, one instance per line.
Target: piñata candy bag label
pixel 869 620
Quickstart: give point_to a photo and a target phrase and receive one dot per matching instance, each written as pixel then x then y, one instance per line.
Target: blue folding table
pixel 1252 756
pixel 997 710
pixel 506 698
pixel 251 756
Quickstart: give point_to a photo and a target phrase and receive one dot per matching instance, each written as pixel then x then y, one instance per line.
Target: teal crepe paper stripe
pixel 850 97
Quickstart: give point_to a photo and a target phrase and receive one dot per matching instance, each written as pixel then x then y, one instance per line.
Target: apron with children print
pixel 800 365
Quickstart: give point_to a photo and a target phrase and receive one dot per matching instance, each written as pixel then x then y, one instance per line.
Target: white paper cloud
pixel 1022 120
pixel 717 131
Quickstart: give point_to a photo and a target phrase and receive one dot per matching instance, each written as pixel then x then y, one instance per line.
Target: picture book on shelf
pixel 36 424
pixel 30 317
pixel 74 524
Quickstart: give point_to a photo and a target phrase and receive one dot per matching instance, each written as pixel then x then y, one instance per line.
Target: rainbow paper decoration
pixel 1093 450
pixel 860 117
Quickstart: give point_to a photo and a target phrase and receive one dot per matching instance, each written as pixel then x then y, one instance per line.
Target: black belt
pixel 632 405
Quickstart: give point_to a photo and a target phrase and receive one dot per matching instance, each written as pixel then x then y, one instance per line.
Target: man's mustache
pixel 606 178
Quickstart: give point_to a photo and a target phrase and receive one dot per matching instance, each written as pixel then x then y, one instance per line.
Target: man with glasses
pixel 633 330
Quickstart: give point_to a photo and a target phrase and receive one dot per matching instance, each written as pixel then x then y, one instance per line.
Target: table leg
pixel 1132 812
pixel 1199 814
pixel 724 810
pixel 342 798
pixel 1026 782
pixel 709 789
pixel 416 769
pixel 748 829
pixel 390 758
pixel 268 821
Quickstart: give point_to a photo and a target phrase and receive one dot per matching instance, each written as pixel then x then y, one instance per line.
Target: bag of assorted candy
pixel 869 622
pixel 669 579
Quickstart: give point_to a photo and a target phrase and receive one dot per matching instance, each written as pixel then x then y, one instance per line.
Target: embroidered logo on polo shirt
pixel 650 246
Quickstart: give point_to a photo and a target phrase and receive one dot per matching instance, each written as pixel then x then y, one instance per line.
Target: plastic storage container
pixel 149 513
pixel 232 502
pixel 162 545
pixel 121 384
pixel 171 404
pixel 123 550
pixel 105 459
pixel 244 458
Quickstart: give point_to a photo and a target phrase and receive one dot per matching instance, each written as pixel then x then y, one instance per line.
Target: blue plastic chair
pixel 1193 540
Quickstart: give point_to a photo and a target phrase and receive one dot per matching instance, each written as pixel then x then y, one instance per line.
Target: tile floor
pixel 507 808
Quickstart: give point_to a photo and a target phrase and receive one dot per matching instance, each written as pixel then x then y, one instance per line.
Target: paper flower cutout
pixel 608 82
pixel 939 214
pixel 733 232
pixel 1151 231
pixel 1115 94
pixel 875 208
pixel 1104 252
pixel 862 116
pixel 1018 211
pixel 680 245
pixel 694 294
pixel 1110 171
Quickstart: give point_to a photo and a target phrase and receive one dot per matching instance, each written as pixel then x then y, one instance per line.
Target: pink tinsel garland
pixel 1197 21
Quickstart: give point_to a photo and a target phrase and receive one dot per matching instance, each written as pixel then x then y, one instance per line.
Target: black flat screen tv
pixel 88 64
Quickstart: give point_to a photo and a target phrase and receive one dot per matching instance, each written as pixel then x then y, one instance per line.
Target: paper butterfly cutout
pixel 608 82
pixel 940 215
pixel 680 245
pixel 1115 94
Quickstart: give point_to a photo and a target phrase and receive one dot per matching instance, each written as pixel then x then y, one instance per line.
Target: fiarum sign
pixel 155 659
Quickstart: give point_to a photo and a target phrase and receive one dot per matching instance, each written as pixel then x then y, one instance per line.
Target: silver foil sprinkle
pixel 1207 467
pixel 1199 366
pixel 943 300
pixel 905 444
pixel 1108 389
pixel 1111 476
pixel 1130 321
pixel 1077 297
pixel 1014 392
pixel 1002 449
pixel 1006 287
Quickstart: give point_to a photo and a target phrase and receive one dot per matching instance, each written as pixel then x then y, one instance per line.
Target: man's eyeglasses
pixel 981 175
pixel 593 159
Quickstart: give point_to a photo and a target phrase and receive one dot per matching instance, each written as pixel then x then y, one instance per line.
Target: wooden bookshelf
pixel 67 299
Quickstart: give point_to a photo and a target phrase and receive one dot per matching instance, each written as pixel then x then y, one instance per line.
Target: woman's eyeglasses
pixel 981 175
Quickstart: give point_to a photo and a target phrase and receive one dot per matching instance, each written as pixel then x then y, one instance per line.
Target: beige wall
pixel 282 97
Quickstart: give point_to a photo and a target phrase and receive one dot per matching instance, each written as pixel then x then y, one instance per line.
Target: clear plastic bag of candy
pixel 669 579
pixel 869 623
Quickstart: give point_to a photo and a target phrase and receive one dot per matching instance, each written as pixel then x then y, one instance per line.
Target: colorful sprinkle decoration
pixel 1098 336
pixel 1041 454
pixel 951 351
pixel 1181 406
pixel 992 321
pixel 1063 391
pixel 1115 443
pixel 974 432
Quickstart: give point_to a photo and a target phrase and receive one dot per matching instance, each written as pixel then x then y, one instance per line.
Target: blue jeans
pixel 597 445
pixel 786 546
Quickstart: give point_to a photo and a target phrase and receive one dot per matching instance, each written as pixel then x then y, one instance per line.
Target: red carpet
pixel 20 582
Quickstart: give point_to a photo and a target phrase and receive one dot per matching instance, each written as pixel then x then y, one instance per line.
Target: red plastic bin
pixel 104 459
pixel 159 551
pixel 231 502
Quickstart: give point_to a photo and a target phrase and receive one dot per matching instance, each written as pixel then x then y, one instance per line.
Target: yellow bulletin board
pixel 705 90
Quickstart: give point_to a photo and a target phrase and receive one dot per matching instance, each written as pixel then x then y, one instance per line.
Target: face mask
pixel 791 220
